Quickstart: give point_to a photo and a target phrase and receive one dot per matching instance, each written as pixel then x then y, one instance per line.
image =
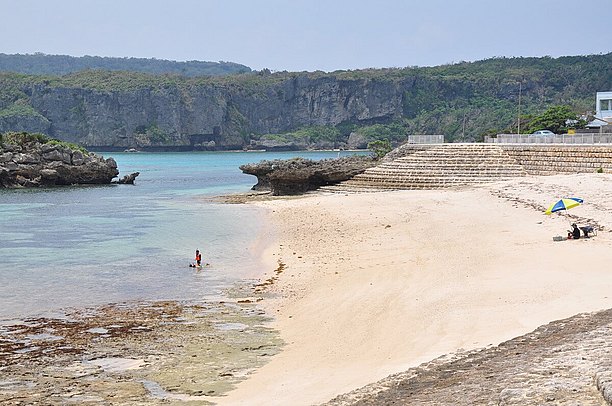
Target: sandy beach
pixel 376 283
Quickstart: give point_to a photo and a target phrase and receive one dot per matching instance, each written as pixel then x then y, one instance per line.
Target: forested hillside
pixel 298 110
pixel 42 64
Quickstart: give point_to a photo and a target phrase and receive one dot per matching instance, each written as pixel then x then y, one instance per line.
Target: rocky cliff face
pixel 33 163
pixel 305 101
pixel 209 116
pixel 280 110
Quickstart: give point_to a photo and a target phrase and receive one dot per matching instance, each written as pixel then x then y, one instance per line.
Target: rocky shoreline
pixel 136 353
pixel 32 160
pixel 299 175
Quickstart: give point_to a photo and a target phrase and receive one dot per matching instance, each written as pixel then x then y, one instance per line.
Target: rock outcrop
pixel 299 175
pixel 128 179
pixel 31 161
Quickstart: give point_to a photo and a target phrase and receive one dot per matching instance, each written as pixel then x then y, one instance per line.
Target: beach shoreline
pixel 374 284
pixel 144 352
pixel 349 289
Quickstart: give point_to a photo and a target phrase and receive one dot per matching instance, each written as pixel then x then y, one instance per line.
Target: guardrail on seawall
pixel 545 139
pixel 426 139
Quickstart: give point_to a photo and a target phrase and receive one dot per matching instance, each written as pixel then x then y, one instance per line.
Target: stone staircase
pixel 440 166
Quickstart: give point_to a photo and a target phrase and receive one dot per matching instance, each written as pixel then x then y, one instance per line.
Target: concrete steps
pixel 440 166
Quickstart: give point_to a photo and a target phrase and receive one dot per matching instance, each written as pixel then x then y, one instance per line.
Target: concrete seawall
pixel 436 166
pixel 546 159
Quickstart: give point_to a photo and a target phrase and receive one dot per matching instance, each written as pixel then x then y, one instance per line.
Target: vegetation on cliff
pixel 463 101
pixel 22 139
pixel 42 64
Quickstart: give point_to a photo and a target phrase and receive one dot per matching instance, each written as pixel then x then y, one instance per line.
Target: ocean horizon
pixel 81 246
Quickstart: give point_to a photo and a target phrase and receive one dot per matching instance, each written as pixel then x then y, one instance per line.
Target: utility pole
pixel 518 127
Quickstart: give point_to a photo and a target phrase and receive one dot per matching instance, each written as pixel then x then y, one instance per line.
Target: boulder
pixel 45 148
pixel 67 157
pixel 77 158
pixel 6 157
pixel 53 155
pixel 26 158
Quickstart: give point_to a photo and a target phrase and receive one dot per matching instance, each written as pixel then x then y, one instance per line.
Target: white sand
pixel 378 283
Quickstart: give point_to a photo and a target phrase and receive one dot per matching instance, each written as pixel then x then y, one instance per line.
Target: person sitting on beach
pixel 575 232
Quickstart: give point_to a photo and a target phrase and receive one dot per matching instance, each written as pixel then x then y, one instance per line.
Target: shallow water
pixel 88 245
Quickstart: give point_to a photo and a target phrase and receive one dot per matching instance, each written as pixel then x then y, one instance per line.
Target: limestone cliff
pixel 210 115
pixel 264 110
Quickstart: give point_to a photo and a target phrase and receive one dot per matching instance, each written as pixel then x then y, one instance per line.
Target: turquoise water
pixel 89 245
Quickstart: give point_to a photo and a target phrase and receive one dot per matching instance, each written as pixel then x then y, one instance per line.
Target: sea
pixel 82 246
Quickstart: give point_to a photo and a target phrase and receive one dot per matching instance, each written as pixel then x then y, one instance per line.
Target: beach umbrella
pixel 564 204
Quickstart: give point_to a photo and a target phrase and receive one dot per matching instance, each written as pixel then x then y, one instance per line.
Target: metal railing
pixel 584 138
pixel 425 139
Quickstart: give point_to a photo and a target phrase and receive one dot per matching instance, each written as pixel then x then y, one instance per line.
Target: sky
pixel 299 35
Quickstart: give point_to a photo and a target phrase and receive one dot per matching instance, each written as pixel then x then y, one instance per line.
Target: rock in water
pixel 128 179
pixel 298 175
pixel 30 160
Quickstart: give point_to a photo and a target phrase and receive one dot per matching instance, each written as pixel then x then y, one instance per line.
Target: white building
pixel 603 110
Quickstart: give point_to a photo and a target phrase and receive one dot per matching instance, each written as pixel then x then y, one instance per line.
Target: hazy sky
pixel 299 35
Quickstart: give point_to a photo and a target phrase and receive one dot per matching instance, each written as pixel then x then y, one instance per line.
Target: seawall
pixel 545 159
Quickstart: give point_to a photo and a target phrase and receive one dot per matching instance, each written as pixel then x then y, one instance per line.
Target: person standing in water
pixel 198 258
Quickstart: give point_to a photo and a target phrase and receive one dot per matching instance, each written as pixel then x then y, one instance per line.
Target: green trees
pixel 392 132
pixel 307 135
pixel 380 148
pixel 42 64
pixel 557 119
pixel 23 138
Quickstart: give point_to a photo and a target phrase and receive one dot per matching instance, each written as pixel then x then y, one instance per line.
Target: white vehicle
pixel 544 132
